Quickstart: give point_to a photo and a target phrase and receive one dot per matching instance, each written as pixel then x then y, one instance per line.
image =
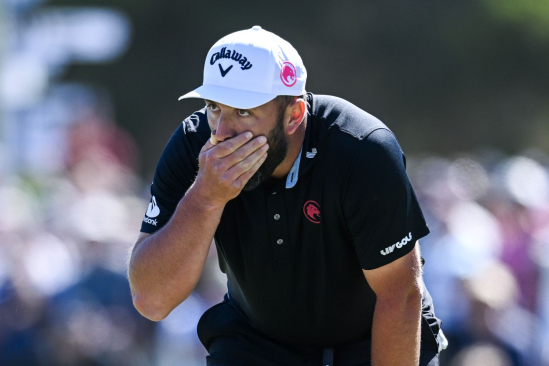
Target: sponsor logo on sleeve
pixel 191 123
pixel 152 211
pixel 397 245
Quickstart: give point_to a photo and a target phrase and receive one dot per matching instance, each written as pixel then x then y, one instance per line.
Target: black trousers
pixel 232 341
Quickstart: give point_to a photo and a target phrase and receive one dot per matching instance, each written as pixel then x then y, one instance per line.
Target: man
pixel 313 216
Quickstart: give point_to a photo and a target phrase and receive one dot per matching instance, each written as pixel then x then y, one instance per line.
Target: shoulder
pixel 381 146
pixel 189 136
pixel 339 115
pixel 348 133
pixel 196 123
pixel 376 164
pixel 184 145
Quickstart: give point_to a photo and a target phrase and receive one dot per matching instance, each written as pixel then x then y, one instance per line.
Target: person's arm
pixel 384 220
pixel 397 315
pixel 164 267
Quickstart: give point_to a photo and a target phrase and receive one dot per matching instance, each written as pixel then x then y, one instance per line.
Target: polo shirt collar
pixel 306 157
pixel 309 148
pixel 291 178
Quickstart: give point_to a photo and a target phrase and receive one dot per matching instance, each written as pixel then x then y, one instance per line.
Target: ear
pixel 296 111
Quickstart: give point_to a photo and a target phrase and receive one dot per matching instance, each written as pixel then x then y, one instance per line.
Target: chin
pixel 262 174
pixel 254 182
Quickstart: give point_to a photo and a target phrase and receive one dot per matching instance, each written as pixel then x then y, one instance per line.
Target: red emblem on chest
pixel 311 209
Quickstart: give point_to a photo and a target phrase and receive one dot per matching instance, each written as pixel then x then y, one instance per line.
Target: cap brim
pixel 235 98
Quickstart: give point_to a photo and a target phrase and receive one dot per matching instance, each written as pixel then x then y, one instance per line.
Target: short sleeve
pixel 175 173
pixel 381 211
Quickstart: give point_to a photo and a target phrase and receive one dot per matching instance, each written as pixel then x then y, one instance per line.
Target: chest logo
pixel 288 74
pixel 311 209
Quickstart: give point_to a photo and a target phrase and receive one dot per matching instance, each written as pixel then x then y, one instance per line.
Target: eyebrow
pixel 212 102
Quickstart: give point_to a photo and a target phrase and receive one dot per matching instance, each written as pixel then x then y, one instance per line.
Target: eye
pixel 243 113
pixel 213 107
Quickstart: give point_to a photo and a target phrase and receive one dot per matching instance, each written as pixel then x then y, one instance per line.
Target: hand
pixel 226 167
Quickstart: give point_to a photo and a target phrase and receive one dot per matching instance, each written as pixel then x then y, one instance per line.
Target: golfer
pixel 314 219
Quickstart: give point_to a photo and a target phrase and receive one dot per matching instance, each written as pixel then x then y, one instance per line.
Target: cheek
pixel 264 127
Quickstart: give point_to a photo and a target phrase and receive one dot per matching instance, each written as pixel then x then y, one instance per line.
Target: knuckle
pixel 246 164
pixel 218 168
pixel 240 154
pixel 209 158
pixel 237 184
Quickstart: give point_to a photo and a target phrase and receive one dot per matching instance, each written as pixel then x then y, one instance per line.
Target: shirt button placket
pixel 278 233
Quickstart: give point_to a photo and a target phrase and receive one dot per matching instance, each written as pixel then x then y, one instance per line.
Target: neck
pixel 295 141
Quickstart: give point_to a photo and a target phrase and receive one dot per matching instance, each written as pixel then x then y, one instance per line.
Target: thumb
pixel 212 141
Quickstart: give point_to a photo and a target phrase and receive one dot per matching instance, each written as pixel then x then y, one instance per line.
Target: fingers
pixel 229 146
pixel 210 143
pixel 226 167
pixel 207 146
pixel 247 163
pixel 244 151
pixel 245 177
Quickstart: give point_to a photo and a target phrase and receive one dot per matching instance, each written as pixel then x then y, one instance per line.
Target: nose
pixel 225 128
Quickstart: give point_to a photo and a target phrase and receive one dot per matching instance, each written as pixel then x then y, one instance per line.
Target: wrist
pixel 203 200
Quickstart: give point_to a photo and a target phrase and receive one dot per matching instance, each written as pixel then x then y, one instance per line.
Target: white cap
pixel 249 68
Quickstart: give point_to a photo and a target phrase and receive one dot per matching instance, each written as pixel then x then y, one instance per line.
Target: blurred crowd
pixel 65 237
pixel 66 234
pixel 487 257
pixel 72 205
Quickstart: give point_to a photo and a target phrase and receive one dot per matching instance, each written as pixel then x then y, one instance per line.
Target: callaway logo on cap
pixel 249 68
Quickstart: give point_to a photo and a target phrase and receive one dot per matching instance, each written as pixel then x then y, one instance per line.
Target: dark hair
pixel 285 100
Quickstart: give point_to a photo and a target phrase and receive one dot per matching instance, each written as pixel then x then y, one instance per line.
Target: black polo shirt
pixel 294 256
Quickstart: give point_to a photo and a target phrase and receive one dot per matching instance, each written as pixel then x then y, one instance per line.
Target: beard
pixel 278 148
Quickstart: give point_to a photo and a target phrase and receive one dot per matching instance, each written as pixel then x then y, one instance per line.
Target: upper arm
pixel 398 278
pixel 381 211
pixel 140 238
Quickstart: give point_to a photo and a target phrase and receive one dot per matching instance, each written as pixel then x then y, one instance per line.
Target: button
pixel 280 241
pixel 256 27
pixel 277 216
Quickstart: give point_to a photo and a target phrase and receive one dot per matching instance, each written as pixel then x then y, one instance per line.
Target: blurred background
pixel 88 99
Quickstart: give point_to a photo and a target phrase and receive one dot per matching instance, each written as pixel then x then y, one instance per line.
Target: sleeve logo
pixel 152 211
pixel 398 245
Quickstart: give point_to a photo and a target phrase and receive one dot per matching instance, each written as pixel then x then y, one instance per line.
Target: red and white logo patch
pixel 311 209
pixel 288 74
